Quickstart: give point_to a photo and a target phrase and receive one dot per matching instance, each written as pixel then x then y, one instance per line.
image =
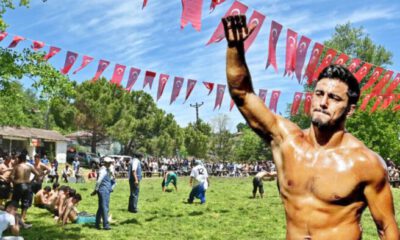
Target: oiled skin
pixel 326 177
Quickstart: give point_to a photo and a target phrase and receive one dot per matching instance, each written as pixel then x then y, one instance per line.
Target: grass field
pixel 229 213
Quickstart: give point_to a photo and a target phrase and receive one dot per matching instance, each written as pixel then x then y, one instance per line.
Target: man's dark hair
pixel 342 74
pixel 11 203
pixel 22 157
pixel 47 189
pixel 36 156
pixel 77 197
pixel 55 185
pixel 71 192
pixel 138 155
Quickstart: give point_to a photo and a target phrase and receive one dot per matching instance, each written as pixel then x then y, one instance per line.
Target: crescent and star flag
pixel 375 75
pixel 118 74
pixel 209 86
pixel 296 103
pixel 312 63
pixel 354 64
pixel 256 19
pixel 69 61
pixel 103 64
pixel 307 103
pixel 191 12
pixel 133 76
pixel 396 108
pixel 387 101
pixel 53 51
pixel 326 61
pixel 220 95
pixel 365 101
pixel 237 8
pixel 342 59
pixel 377 103
pixel 274 33
pixel 36 45
pixel 15 41
pixel 162 82
pixel 273 102
pixel 144 3
pixel 214 3
pixel 85 61
pixel 3 35
pixel 178 83
pixel 362 72
pixel 148 78
pixel 189 88
pixel 393 85
pixel 382 83
pixel 291 45
pixel 301 53
pixel 231 105
pixel 262 93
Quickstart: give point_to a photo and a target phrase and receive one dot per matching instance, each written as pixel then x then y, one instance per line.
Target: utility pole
pixel 197 106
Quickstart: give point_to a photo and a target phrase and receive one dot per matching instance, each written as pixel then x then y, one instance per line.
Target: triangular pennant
pixel 70 59
pixel 342 59
pixel 36 45
pixel 231 105
pixel 326 61
pixel 296 103
pixel 53 51
pixel 190 86
pixel 191 12
pixel 393 85
pixel 275 31
pixel 273 102
pixel 85 61
pixel 220 95
pixel 374 77
pixel 3 35
pixel 15 41
pixel 148 78
pixel 365 102
pixel 133 76
pixel 291 45
pixel 214 3
pixel 118 74
pixel 209 86
pixel 103 64
pixel 301 53
pixel 262 93
pixel 382 83
pixel 362 72
pixel 312 63
pixel 307 103
pixel 178 83
pixel 162 82
pixel 257 20
pixel 354 64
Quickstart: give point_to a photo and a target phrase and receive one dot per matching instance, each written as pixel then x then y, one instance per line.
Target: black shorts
pixel 258 183
pixel 23 192
pixel 36 186
pixel 5 190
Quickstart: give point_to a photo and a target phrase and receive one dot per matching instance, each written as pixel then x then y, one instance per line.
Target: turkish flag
pixel 342 59
pixel 70 59
pixel 273 102
pixel 36 45
pixel 274 33
pixel 85 61
pixel 237 8
pixel 362 72
pixel 387 101
pixel 327 60
pixel 365 101
pixel 118 74
pixel 262 93
pixel 162 82
pixel 312 63
pixel 291 45
pixel 354 64
pixel 103 64
pixel 133 76
pixel 396 108
pixel 209 86
pixel 382 83
pixel 375 75
pixel 15 41
pixel 214 3
pixel 220 95
pixel 393 85
pixel 301 53
pixel 148 78
pixel 144 4
pixel 296 103
pixel 378 101
pixel 307 103
pixel 53 51
pixel 256 19
pixel 231 105
pixel 189 88
pixel 191 12
pixel 178 82
pixel 3 35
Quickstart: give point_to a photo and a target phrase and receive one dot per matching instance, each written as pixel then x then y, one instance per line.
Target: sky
pixel 151 39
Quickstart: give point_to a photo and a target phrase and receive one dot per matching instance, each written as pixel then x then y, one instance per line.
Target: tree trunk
pixel 94 141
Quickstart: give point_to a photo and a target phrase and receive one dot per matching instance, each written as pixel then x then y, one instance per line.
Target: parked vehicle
pixel 86 159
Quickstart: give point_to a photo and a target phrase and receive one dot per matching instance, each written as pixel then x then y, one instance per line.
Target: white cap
pixel 108 160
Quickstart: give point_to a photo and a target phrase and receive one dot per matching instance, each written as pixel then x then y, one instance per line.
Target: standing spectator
pixel 135 176
pixel 43 171
pixel 66 173
pixel 8 220
pixel 53 173
pixel 45 160
pixel 76 166
pixel 5 179
pixel 200 175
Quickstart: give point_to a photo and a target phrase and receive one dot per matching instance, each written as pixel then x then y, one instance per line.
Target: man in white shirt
pixel 198 175
pixel 135 176
pixel 7 219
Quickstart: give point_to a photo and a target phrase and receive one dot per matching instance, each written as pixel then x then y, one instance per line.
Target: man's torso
pixel 22 173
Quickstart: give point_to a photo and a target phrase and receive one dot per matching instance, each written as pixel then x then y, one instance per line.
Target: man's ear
pixel 351 109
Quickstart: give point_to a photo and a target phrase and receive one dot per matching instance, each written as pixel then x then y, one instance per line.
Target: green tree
pixel 250 147
pixel 222 140
pixel 197 137
pixel 6 5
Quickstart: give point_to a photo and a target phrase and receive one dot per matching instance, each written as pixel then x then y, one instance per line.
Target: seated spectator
pixel 42 197
pixel 53 174
pixel 66 173
pixel 8 220
pixel 92 175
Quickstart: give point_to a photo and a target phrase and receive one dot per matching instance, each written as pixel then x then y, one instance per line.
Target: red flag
pixel 262 93
pixel 36 45
pixel 53 51
pixel 274 33
pixel 191 12
pixel 190 86
pixel 365 101
pixel 396 108
pixel 85 61
pixel 291 45
pixel 144 3
pixel 382 83
pixel 15 41
pixel 307 103
pixel 178 82
pixel 393 85
pixel 3 35
pixel 103 64
pixel 148 78
pixel 237 8
pixel 312 63
pixel 214 3
pixel 220 95
pixel 362 72
pixel 256 19
pixel 296 103
pixel 354 64
pixel 301 55
pixel 209 86
pixel 342 59
pixel 231 105
pixel 133 76
pixel 118 74
pixel 273 102
pixel 375 75
pixel 69 61
pixel 330 54
pixel 162 82
pixel 377 103
pixel 387 101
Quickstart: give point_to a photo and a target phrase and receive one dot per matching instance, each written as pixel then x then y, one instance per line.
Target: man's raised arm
pixel 264 122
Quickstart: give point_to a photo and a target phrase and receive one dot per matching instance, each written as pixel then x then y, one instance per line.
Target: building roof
pixel 79 134
pixel 25 132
